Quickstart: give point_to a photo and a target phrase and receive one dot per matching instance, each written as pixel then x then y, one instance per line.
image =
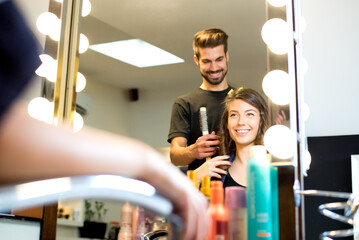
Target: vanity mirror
pixel 169 26
pixel 109 82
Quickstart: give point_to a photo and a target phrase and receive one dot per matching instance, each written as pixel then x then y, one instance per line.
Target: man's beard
pixel 216 81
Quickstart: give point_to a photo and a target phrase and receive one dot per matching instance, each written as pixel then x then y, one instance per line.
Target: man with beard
pixel 188 146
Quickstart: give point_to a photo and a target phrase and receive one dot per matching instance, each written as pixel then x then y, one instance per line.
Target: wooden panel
pixel 50 221
pixel 36 212
pixel 286 203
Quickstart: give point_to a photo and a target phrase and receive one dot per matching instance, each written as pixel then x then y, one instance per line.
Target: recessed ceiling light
pixel 136 52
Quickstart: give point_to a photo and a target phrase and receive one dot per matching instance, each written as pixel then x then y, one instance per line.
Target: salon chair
pixel 117 188
pixel 330 210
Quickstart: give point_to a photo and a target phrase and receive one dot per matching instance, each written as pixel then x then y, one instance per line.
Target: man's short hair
pixel 209 38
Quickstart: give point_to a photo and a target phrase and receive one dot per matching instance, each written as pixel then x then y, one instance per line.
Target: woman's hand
pixel 212 168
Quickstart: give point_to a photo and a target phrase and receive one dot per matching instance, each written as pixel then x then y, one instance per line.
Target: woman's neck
pixel 243 153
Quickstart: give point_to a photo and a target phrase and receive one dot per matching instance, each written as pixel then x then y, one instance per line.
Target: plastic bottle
pixel 206 187
pixel 191 174
pixel 259 195
pixel 218 213
pixel 274 198
pixel 126 222
pixel 237 212
pixel 141 228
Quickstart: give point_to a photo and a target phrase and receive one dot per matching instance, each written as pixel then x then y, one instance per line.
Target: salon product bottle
pixel 217 213
pixel 235 201
pixel 141 228
pixel 191 174
pixel 126 222
pixel 206 187
pixel 274 198
pixel 259 195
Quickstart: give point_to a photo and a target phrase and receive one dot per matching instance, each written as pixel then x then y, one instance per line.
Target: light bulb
pixel 304 66
pixel 49 24
pixel 81 82
pixel 303 24
pixel 277 3
pixel 78 122
pixel 48 68
pixel 41 109
pixel 307 158
pixel 305 111
pixel 276 85
pixel 280 141
pixel 277 35
pixel 84 43
pixel 86 8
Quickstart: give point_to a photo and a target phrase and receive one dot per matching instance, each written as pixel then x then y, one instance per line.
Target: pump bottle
pixel 259 195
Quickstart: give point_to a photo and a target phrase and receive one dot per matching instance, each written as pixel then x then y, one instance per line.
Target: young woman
pixel 243 124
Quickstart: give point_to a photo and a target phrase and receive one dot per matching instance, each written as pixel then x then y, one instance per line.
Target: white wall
pixel 146 119
pixel 331 47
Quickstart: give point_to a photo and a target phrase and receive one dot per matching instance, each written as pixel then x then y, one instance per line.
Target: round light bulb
pixel 305 111
pixel 276 85
pixel 276 34
pixel 49 24
pixel 41 109
pixel 277 3
pixel 80 82
pixel 78 122
pixel 304 66
pixel 48 68
pixel 280 141
pixel 84 43
pixel 307 158
pixel 303 24
pixel 86 8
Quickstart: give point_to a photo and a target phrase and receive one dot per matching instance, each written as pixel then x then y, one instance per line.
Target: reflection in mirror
pixel 169 26
pixel 108 97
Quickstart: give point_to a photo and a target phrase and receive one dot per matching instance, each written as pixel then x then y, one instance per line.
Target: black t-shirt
pixel 185 119
pixel 19 57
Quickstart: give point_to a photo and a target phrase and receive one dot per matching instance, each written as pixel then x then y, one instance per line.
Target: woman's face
pixel 243 122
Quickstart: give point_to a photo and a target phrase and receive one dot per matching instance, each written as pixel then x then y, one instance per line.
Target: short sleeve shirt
pixel 185 118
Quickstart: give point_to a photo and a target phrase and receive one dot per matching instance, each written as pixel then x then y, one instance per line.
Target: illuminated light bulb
pixel 276 85
pixel 48 68
pixel 277 35
pixel 78 122
pixel 303 24
pixel 49 24
pixel 277 3
pixel 86 8
pixel 304 66
pixel 84 43
pixel 305 111
pixel 307 158
pixel 41 109
pixel 280 141
pixel 81 82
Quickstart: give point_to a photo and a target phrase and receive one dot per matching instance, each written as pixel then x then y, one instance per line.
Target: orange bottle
pixel 217 213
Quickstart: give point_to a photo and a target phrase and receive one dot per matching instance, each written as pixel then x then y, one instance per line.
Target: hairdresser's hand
pixel 280 116
pixel 205 146
pixel 212 167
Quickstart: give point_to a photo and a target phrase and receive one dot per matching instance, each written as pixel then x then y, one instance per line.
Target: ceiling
pixel 170 25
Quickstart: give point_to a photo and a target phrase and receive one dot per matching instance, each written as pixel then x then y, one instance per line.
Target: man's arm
pixel 181 154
